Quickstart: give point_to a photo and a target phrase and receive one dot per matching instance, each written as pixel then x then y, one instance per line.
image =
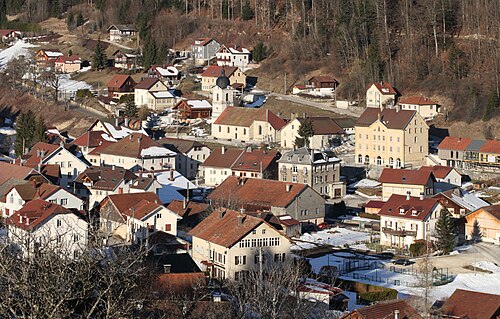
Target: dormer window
pixel 414 213
pixel 401 211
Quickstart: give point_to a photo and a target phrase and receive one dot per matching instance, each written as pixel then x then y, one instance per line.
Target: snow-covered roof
pixel 167 71
pixel 156 151
pixel 163 95
pixel 121 132
pixel 365 183
pixel 53 54
pixel 170 188
pixel 198 104
pixel 240 51
pixel 469 201
pixel 108 138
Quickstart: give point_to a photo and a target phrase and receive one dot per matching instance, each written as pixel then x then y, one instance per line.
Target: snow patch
pixel 18 48
pixel 7 131
pixel 155 151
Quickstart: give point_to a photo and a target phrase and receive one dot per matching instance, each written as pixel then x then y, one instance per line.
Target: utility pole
pixel 284 88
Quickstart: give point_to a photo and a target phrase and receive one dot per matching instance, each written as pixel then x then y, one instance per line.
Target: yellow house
pixel 485 220
pixel 425 107
pixel 391 137
pixel 210 75
pixel 405 181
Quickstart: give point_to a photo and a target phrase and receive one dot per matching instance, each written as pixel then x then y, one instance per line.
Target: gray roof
pixel 475 145
pixel 303 156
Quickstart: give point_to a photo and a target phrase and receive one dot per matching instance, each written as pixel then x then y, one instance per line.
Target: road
pixel 117 44
pixel 89 112
pixel 323 106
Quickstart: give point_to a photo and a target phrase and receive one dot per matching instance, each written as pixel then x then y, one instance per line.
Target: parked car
pixel 402 262
pixel 324 226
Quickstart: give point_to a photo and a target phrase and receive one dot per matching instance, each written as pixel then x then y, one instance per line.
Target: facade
pixel 405 219
pixel 248 162
pixel 119 85
pixel 233 56
pixel 48 55
pixel 326 131
pixel 248 125
pixel 299 201
pixel 210 75
pixel 404 181
pixel 319 170
pixel 444 174
pixel 391 137
pixel 204 49
pixel 318 85
pixel 380 95
pixel 68 64
pixel 460 202
pixel 470 154
pixel 143 90
pixel 126 60
pixel 427 108
pixel 230 244
pixel 190 155
pixel 49 226
pixel 160 101
pixel 193 109
pixel 120 32
pixel 487 219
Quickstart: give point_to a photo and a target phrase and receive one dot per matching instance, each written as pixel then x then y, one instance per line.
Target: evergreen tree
pixel 476 233
pixel 25 128
pixel 99 59
pixel 3 13
pixel 445 232
pixel 259 52
pixel 489 108
pixel 70 20
pixel 162 55
pixel 39 130
pixel 247 12
pixel 130 109
pixel 79 19
pixel 149 54
pixel 306 131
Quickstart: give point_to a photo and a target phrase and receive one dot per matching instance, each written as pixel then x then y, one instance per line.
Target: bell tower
pixel 222 95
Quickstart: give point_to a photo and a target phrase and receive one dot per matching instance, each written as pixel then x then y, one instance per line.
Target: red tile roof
pixel 118 80
pixel 34 190
pixel 146 83
pixel 323 125
pixel 219 159
pixel 223 228
pixel 38 153
pixel 242 160
pixel 417 100
pixel 68 59
pixel 493 210
pixel 243 116
pixel 454 143
pixel 105 177
pixel 258 192
pixel 385 310
pixel 8 171
pixel 491 147
pixel 179 283
pixel 214 71
pixel 374 204
pixel 384 88
pixel 34 213
pixel 391 118
pixel 204 41
pixel 472 304
pixel 134 204
pixel 413 208
pixel 438 171
pixel 90 139
pixel 191 209
pixel 405 176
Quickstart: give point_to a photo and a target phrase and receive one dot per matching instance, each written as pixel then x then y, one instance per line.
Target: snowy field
pixel 17 49
pixel 335 236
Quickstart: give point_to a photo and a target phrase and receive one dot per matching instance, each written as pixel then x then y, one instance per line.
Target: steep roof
pixel 219 159
pixel 146 83
pixel 123 27
pixel 32 190
pixel 391 118
pixel 492 147
pixel 38 153
pixel 179 145
pixel 223 228
pixel 323 125
pixel 256 191
pixel 384 88
pixel 417 100
pixel 244 160
pixel 412 208
pixel 203 41
pixel 92 139
pixel 405 176
pixel 493 210
pixel 191 208
pixel 454 143
pixel 464 199
pixel 105 177
pixel 8 171
pixel 439 171
pixel 137 145
pixel 386 310
pixel 243 116
pixel 472 304
pixel 214 71
pixel 119 80
pixel 136 205
pixel 35 213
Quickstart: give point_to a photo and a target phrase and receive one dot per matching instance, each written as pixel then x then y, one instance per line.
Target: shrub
pixel 374 296
pixel 83 93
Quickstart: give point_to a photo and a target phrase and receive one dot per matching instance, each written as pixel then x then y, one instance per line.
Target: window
pixel 69 164
pixel 263 231
pixel 158 215
pixel 254 231
pixel 64 201
pixel 283 178
pixel 240 260
pixel 76 238
pixel 168 227
pixel 279 257
pixel 59 223
pixel 294 169
pixel 294 179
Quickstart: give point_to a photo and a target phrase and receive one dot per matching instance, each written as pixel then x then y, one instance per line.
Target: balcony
pixel 399 232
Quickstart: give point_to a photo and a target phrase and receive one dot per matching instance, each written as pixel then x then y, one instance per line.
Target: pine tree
pixel 99 59
pixel 476 233
pixel 79 19
pixel 25 128
pixel 149 54
pixel 130 109
pixel 162 55
pixel 489 108
pixel 445 232
pixel 70 20
pixel 259 52
pixel 306 131
pixel 39 130
pixel 247 12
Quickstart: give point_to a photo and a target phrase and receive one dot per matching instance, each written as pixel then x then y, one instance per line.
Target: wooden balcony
pixel 399 232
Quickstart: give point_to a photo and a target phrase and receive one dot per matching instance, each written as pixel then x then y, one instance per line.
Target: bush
pixel 374 296
pixel 83 93
pixel 417 248
pixel 370 216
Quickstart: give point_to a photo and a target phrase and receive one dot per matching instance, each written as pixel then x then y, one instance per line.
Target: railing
pixel 399 232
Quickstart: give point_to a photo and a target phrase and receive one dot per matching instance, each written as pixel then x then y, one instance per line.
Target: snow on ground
pixel 18 48
pixel 365 183
pixel 340 260
pixel 336 237
pixel 7 131
pixel 69 85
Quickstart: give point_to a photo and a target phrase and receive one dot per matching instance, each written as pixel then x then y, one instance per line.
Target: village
pixel 380 213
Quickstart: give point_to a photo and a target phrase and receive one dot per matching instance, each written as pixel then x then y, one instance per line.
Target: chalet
pixel 299 201
pixel 169 73
pixel 318 85
pixel 126 60
pixel 460 202
pixel 48 55
pixel 326 132
pixel 381 95
pixel 233 56
pixel 397 309
pixel 204 49
pixel 68 64
pixel 427 108
pixel 484 221
pixel 119 32
pixel 404 181
pixel 229 244
pixel 120 85
pixel 7 35
pixel 193 109
pixel 210 75
pixel 248 162
pixel 144 89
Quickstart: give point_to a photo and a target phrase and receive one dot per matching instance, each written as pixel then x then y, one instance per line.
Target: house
pixel 173 185
pixel 120 32
pixel 373 206
pixel 326 132
pixel 427 108
pixel 204 49
pixel 230 244
pixel 248 125
pixel 68 64
pixel 460 202
pixel 89 140
pixel 48 55
pixel 405 181
pixel 126 60
pixel 210 75
pixel 299 201
pixel 347 124
pixel 143 89
pixel 7 35
pixel 470 154
pixel 233 56
pixel 380 95
pixel 318 169
pixel 397 309
pixel 391 137
pixel 115 132
pixel 486 221
pixel 193 109
pixel 466 304
pixel 190 155
pixel 320 293
pixel 444 174
pixel 120 85
pixel 248 162
pixel 160 101
pixel 17 196
pixel 452 150
pixel 42 224
pixel 138 151
pixel 192 213
pixel 405 219
pixel 168 73
pixel 135 217
pixel 318 85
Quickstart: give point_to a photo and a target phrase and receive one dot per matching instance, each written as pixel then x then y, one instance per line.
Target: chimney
pixel 184 203
pixel 241 219
pixel 397 107
pixel 117 120
pixel 421 196
pixel 126 121
pixel 113 167
pixel 242 210
pixel 27 221
pixel 131 137
pixel 221 213
pixel 167 268
pixel 304 115
pixel 408 195
pixel 20 218
pixel 288 188
pixel 396 314
pixel 171 178
pixel 223 150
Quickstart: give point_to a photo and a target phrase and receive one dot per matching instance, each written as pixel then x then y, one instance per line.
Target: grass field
pixel 283 109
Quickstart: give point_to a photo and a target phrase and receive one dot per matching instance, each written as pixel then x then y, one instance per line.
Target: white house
pixel 143 89
pixel 119 32
pixel 233 56
pixel 380 95
pixel 427 108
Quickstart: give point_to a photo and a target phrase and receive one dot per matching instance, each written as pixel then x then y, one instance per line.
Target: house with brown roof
pixel 452 150
pixel 192 213
pixel 119 85
pixel 190 155
pixel 193 109
pixel 121 32
pixel 405 181
pixel 444 174
pixel 484 221
pixel 138 151
pixel 248 125
pixel 232 55
pixel 68 64
pixel 247 162
pixel 204 49
pixel 466 304
pixel 229 244
pixel 8 35
pixel 144 89
pixel 326 132
pixel 395 309
pixel 126 60
pixel 47 55
pixel 380 95
pixel 50 226
pixel 460 202
pixel 299 201
pixel 405 219
pixel 323 85
pixel 392 137
pixel 210 75
pixel 89 140
pixel 134 217
pixel 427 108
